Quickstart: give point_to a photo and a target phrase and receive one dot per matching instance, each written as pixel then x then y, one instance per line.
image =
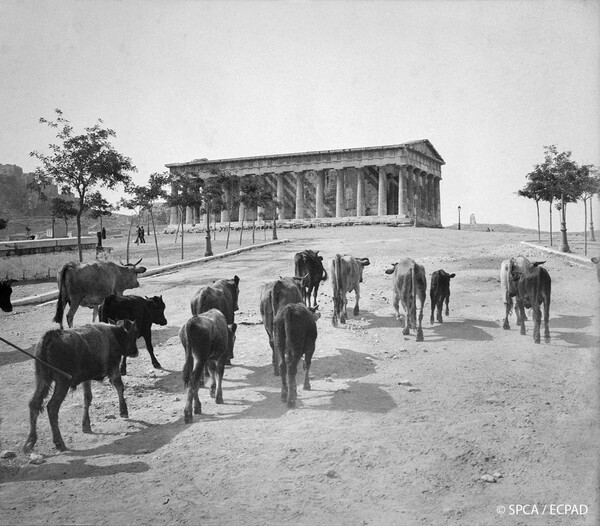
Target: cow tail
pixel 188 367
pixel 62 295
pixel 43 373
pixel 336 285
pixel 413 310
pixel 289 341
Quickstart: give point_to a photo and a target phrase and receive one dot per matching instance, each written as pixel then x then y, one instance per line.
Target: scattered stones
pixel 110 417
pixel 8 454
pixel 405 382
pixel 332 474
pixel 176 399
pixel 497 475
pixel 142 452
pixel 487 478
pixel 36 459
pixel 414 390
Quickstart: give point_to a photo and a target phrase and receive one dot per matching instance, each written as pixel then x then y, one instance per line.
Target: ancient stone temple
pixel 401 180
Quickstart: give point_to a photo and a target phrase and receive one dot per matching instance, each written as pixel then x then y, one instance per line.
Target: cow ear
pixel 595 260
pixel 233 327
pixel 365 262
pixel 452 275
pixel 112 322
pixel 390 270
pixel 236 280
pixel 139 270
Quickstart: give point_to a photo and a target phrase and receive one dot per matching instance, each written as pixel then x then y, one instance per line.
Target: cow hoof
pixel 124 414
pixel 275 372
pixel 28 446
pixel 547 339
pixel 228 362
pixel 307 387
pixel 406 331
pixel 419 336
pixel 219 399
pixel 157 365
pixel 431 321
pixel 523 333
pixel 537 340
pixel 356 311
pixel 86 429
pixel 506 326
pixel 291 403
pixel 197 410
pixel 60 446
pixel 440 320
pixel 187 418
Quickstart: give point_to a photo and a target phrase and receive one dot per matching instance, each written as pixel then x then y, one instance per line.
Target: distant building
pixel 14 194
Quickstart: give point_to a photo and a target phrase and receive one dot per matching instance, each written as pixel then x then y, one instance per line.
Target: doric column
pixel 299 195
pixel 382 193
pixel 438 207
pixel 280 198
pixel 431 199
pixel 173 211
pixel 339 193
pixel 320 194
pixel 402 191
pixel 416 194
pixel 260 211
pixel 360 193
pixel 423 196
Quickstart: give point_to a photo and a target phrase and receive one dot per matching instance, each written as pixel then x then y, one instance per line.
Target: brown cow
pixel 346 276
pixel 294 334
pixel 222 295
pixel 530 289
pixel 409 288
pixel 88 284
pixel 90 352
pixel 207 340
pixel 273 297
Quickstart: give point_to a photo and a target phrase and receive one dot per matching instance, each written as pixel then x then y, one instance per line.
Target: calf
pixel 440 293
pixel 596 262
pixel 5 292
pixel 518 264
pixel 294 334
pixel 530 289
pixel 346 276
pixel 144 311
pixel 309 264
pixel 222 295
pixel 409 288
pixel 273 297
pixel 207 340
pixel 90 352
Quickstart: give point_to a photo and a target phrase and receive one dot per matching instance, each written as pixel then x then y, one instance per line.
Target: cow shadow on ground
pixel 77 469
pixel 570 322
pixel 160 336
pixel 467 329
pixel 577 338
pixel 10 357
pixel 375 321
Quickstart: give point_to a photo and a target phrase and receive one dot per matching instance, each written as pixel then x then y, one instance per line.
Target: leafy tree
pixel 590 185
pixel 98 207
pixel 189 193
pixel 533 190
pixel 3 223
pixel 145 197
pixel 253 193
pixel 64 209
pixel 80 163
pixel 213 201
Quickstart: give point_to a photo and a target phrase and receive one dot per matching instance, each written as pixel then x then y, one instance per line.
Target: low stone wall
pixel 39 246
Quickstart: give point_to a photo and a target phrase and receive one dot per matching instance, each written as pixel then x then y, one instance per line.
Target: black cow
pixel 207 340
pixel 90 352
pixel 531 288
pixel 222 295
pixel 294 335
pixel 410 289
pixel 144 311
pixel 309 266
pixel 596 262
pixel 440 293
pixel 5 292
pixel 273 297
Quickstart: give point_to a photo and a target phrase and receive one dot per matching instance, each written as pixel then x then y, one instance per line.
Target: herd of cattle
pixel 78 355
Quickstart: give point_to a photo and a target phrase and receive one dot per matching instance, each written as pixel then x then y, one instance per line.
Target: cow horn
pixel 136 264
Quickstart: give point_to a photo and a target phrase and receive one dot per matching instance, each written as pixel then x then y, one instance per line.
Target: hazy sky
pixel 489 83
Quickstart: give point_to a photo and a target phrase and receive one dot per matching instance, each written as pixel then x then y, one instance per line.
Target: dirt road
pixel 363 447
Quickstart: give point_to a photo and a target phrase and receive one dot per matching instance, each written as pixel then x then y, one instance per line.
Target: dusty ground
pixel 360 448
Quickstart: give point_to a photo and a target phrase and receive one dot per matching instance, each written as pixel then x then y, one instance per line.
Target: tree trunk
pixel 155 238
pixel 228 231
pixel 274 227
pixel 129 237
pixel 242 229
pixel 253 229
pixel 182 223
pixel 53 225
pixel 592 236
pixel 79 247
pixel 550 223
pixel 564 244
pixel 585 227
pixel 537 206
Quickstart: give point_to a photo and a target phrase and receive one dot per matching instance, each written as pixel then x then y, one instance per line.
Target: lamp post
pixel 459 217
